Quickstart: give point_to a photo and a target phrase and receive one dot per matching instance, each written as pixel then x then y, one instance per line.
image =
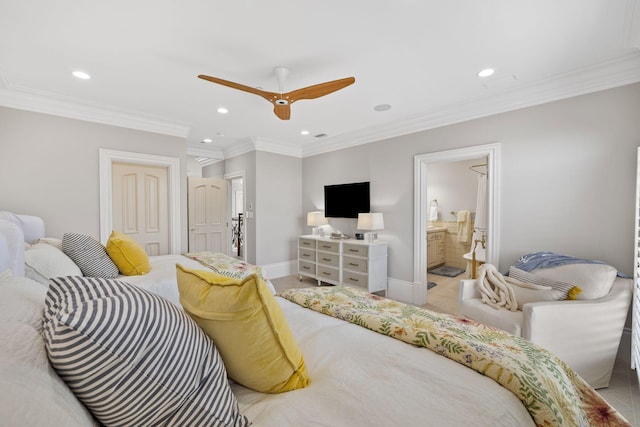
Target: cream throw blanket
pixel 497 290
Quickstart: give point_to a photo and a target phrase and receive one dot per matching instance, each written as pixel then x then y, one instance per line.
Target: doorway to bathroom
pixel 450 216
pixel 456 216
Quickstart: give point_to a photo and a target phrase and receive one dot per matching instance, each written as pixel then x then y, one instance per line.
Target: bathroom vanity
pixel 436 250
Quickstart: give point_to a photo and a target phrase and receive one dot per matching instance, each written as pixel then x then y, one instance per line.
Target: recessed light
pixel 304 132
pixel 382 107
pixel 486 72
pixel 206 141
pixel 222 110
pixel 81 75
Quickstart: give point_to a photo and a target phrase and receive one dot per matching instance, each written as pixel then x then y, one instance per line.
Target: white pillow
pixel 53 241
pixel 595 280
pixel 50 262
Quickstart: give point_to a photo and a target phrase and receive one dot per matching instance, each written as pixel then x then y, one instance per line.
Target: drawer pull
pixel 307 255
pixel 354 280
pixel 354 264
pixel 326 259
pixel 326 274
pixel 306 244
pixel 326 247
pixel 354 250
pixel 306 268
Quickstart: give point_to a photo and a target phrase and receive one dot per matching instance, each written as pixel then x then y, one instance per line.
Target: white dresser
pixel 344 262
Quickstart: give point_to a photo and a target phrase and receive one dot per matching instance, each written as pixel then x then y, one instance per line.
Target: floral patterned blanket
pixel 551 391
pixel 225 265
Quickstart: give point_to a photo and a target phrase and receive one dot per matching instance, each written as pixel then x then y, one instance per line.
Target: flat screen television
pixel 346 200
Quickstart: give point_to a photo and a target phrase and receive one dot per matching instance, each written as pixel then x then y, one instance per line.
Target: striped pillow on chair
pixel 134 358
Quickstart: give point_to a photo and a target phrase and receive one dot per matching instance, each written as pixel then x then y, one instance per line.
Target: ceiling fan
pixel 282 101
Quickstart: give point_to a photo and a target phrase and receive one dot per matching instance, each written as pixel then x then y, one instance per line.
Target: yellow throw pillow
pixel 127 254
pixel 247 326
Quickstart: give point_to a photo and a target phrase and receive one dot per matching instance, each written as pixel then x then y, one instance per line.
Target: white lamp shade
pixel 370 221
pixel 316 219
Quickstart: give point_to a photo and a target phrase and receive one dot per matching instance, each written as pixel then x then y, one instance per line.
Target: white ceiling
pixel 421 57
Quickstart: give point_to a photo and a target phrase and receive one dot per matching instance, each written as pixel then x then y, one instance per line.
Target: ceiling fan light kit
pixel 282 101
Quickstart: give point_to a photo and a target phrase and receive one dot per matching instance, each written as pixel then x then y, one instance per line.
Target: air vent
pixel 321 135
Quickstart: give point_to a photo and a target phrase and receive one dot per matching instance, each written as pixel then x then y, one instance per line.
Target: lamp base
pixel 371 237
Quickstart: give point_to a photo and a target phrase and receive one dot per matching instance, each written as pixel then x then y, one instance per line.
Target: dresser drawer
pixel 356 250
pixel 328 273
pixel 307 268
pixel 355 264
pixel 307 254
pixel 329 259
pixel 329 246
pixel 355 279
pixel 307 243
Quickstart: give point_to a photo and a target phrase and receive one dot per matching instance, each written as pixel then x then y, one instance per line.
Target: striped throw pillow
pixel 568 290
pixel 134 358
pixel 89 254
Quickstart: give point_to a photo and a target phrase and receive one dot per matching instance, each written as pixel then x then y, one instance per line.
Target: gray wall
pixel 49 166
pixel 568 172
pixel 246 163
pixel 278 207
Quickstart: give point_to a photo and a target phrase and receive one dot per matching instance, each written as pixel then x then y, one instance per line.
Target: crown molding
pixel 205 152
pixel 262 144
pixel 240 147
pixel 26 99
pixel 605 75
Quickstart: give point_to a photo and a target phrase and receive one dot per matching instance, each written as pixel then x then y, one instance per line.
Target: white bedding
pixel 362 378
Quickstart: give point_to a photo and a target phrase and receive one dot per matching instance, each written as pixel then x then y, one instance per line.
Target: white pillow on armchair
pixel 595 280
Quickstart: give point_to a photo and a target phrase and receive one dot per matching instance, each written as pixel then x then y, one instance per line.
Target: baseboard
pixel 280 269
pixel 400 290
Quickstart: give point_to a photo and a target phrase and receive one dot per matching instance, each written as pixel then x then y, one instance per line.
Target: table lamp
pixel 371 222
pixel 315 219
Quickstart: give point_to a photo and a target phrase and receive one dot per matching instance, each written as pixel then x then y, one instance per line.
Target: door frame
pixel 228 177
pixel 421 165
pixel 107 158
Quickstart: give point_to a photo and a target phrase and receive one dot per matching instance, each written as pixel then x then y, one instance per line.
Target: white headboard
pixel 32 226
pixel 11 248
pixel 15 230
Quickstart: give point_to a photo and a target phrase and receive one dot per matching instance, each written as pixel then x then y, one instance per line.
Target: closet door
pixel 140 205
pixel 635 326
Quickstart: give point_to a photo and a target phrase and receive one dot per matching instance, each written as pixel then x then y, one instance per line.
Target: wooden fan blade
pixel 316 91
pixel 269 96
pixel 282 111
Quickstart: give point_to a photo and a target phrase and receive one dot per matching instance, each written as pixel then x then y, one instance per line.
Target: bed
pixel 359 377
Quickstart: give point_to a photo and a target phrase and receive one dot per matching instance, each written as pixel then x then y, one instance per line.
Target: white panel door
pixel 140 205
pixel 208 215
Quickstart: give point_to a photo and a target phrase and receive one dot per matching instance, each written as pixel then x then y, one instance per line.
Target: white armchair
pixel 584 333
